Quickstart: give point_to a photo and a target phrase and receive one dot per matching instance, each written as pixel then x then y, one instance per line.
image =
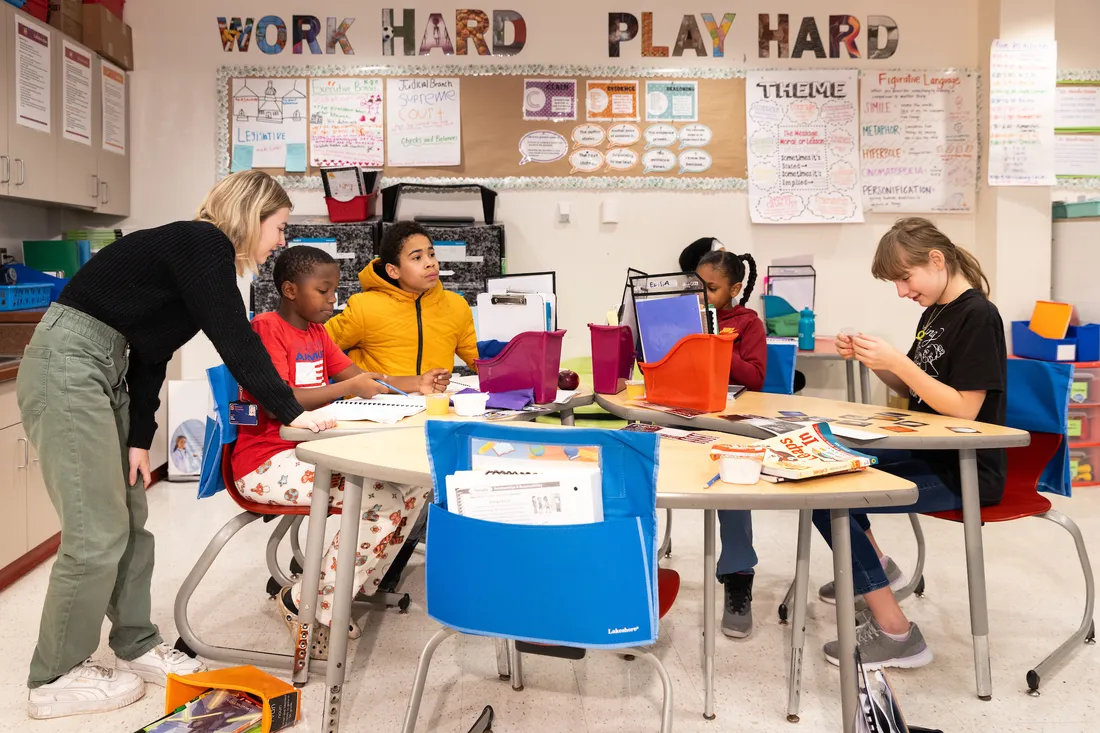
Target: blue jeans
pixel 933 496
pixel 738 555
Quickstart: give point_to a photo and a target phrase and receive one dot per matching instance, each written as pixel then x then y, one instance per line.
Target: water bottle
pixel 806 330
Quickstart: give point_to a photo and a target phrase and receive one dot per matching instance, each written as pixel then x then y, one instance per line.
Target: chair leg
pixel 666 684
pixel 187 590
pixel 666 543
pixel 299 557
pixel 504 661
pixel 1085 632
pixel 916 580
pixel 281 528
pixel 421 678
pixel 515 661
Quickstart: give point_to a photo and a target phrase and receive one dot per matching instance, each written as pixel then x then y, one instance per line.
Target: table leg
pixel 975 571
pixel 710 624
pixel 567 416
pixel 798 623
pixel 311 572
pixel 850 373
pixel 845 617
pixel 341 601
pixel 864 383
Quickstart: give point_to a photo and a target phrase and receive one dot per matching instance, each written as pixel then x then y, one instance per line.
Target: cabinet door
pixel 42 521
pixel 113 90
pixel 76 110
pixel 14 457
pixel 32 139
pixel 6 79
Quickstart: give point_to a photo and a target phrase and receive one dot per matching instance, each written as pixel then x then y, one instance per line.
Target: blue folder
pixel 662 322
pixel 587 585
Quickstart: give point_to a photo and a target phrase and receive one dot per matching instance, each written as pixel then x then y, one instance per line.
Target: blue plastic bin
pixel 23 297
pixel 1082 343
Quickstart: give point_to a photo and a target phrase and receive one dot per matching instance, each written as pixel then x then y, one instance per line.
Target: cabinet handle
pixel 102 192
pixel 7 169
pixel 22 171
pixel 107 188
pixel 95 186
pixel 26 452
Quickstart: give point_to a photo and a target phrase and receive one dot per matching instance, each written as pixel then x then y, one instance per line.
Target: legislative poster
pixel 1022 78
pixel 76 94
pixel 269 115
pixel 803 146
pixel 345 123
pixel 919 141
pixel 672 101
pixel 1077 107
pixel 423 122
pixel 113 88
pixel 550 100
pixel 32 75
pixel 612 101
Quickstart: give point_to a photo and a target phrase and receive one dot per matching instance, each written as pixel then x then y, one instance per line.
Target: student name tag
pixel 243 413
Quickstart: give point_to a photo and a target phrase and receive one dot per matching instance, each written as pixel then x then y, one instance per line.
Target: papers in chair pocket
pixel 548 498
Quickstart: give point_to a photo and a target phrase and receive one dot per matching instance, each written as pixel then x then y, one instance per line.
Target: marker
pixel 391 388
pixel 712 482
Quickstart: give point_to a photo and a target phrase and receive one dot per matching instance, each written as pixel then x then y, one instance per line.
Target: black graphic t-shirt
pixel 964 347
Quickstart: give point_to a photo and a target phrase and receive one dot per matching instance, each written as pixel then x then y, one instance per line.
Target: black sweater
pixel 158 288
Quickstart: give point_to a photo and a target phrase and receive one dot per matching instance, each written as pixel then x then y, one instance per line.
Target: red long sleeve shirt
pixel 750 351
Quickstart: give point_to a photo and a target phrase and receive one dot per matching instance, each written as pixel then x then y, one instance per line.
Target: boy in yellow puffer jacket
pixel 404 322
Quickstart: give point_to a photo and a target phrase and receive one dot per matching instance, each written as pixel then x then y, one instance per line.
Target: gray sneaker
pixel 877 650
pixel 897 580
pixel 737 610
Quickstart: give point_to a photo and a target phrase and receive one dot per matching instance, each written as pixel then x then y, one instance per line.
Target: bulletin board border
pixel 642 183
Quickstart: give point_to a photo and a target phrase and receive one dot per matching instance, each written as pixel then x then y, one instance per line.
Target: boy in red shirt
pixel 265 468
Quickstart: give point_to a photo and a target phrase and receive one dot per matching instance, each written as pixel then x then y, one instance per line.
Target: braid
pixel 751 282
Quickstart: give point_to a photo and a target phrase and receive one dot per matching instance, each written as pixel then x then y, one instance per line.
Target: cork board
pixel 493 125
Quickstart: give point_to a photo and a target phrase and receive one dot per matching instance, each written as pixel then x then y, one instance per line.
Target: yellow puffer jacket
pixel 391 331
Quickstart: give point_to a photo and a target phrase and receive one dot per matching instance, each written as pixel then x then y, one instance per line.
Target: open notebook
pixel 387 409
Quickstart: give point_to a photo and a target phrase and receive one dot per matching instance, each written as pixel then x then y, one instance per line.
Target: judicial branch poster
pixel 803 146
pixel 919 141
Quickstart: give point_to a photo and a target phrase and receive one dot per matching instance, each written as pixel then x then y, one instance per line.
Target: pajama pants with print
pixel 389 509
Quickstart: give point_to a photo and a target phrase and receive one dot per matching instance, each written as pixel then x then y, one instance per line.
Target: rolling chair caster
pixel 182 646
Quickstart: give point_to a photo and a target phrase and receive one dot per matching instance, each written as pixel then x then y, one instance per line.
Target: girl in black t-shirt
pixel 956 366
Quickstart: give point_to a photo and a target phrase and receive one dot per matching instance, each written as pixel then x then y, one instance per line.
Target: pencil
pixel 712 482
pixel 392 388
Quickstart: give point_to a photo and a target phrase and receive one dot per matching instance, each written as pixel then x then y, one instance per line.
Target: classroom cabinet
pixel 14 449
pixel 50 166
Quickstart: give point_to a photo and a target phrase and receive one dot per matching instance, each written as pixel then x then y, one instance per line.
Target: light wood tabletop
pixel 401 455
pixel 583 397
pixel 934 434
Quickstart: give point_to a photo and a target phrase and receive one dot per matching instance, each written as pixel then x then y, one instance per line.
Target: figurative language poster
pixel 919 141
pixel 803 146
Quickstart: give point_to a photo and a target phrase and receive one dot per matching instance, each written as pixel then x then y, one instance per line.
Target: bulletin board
pixel 1077 130
pixel 493 124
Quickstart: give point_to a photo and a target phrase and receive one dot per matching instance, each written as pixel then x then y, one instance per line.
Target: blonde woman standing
pixel 88 391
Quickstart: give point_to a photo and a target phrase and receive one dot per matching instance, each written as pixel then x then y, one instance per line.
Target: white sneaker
pixel 86 688
pixel 155 665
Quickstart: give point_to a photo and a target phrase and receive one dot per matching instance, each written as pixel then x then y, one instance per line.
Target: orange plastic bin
pixel 695 373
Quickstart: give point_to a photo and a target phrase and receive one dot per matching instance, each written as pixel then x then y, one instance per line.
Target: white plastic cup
pixel 739 464
pixel 471 404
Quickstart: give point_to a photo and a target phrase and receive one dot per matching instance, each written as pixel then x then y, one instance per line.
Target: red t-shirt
pixel 303 359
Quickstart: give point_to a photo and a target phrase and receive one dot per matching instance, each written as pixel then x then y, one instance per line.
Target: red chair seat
pixel 1021 498
pixel 254 506
pixel 668 587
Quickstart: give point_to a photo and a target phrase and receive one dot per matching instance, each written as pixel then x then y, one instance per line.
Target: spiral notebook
pixel 388 409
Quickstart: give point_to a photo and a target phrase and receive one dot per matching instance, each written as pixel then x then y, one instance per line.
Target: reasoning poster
pixel 919 141
pixel 803 144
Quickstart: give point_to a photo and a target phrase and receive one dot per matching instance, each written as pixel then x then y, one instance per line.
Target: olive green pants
pixel 72 397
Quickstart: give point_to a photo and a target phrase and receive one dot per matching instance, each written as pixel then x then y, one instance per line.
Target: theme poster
pixel 919 141
pixel 803 146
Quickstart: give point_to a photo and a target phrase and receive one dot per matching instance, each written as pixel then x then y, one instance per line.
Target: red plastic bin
pixel 39 9
pixel 612 357
pixel 357 209
pixel 117 7
pixel 530 361
pixel 695 374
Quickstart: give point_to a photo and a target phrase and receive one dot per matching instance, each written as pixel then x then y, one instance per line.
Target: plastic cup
pixel 471 404
pixel 635 389
pixel 437 404
pixel 739 464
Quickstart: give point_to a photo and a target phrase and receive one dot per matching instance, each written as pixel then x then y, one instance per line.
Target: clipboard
pixel 543 283
pixel 503 316
pixel 627 315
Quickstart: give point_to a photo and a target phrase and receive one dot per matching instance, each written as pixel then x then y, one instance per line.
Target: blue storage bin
pixel 1082 343
pixel 28 275
pixel 24 297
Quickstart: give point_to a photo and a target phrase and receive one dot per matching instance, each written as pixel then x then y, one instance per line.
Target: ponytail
pixel 910 242
pixel 751 282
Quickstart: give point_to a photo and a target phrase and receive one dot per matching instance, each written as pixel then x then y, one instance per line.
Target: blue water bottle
pixel 806 330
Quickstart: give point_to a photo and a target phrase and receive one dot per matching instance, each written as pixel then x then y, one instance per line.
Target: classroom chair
pixel 504 593
pixel 217 475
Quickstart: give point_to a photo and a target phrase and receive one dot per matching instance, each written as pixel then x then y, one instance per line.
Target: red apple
pixel 568 380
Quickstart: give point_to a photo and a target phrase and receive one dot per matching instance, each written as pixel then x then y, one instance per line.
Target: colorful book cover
pixel 811 451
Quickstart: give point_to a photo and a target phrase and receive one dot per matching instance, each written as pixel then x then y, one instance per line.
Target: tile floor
pixel 1035 599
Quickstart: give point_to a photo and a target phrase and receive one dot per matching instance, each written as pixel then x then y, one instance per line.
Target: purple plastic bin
pixel 612 357
pixel 530 361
